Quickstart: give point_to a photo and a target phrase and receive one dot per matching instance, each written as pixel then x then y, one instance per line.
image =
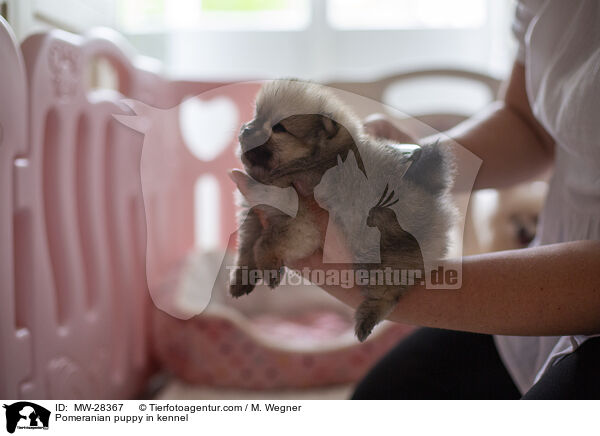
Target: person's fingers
pixel 380 126
pixel 241 179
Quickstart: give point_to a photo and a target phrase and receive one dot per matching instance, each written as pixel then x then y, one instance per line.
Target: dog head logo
pixel 26 415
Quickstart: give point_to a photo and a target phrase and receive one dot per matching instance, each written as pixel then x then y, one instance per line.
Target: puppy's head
pixel 297 132
pixel 514 223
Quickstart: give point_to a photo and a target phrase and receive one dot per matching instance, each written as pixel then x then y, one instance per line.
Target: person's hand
pixel 380 126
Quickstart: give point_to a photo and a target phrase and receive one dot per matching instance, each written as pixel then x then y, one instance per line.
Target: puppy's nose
pixel 525 237
pixel 251 138
pixel 259 155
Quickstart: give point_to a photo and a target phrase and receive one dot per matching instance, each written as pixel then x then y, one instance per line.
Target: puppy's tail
pixel 433 169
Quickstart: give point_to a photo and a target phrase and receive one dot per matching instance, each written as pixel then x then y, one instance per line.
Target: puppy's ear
pixel 331 127
pixel 432 168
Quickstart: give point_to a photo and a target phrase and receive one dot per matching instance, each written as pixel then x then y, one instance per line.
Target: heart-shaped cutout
pixel 207 126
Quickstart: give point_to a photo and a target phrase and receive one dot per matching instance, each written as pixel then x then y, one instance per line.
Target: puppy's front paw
pixel 272 272
pixel 273 277
pixel 270 265
pixel 237 290
pixel 238 284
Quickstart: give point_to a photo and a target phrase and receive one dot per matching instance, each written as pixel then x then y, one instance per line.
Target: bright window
pixel 319 39
pixel 141 16
pixel 406 14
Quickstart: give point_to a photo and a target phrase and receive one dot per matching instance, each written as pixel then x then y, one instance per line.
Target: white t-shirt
pixel 559 44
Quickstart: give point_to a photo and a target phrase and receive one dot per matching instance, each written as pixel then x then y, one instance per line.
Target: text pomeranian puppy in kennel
pixel 390 201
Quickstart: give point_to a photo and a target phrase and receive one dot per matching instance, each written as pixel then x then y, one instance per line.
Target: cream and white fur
pixel 303 136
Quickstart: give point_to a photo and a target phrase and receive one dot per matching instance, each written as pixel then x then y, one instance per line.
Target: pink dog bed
pixel 291 337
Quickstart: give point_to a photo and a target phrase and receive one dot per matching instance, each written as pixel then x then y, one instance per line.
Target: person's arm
pixel 550 290
pixel 542 291
pixel 506 136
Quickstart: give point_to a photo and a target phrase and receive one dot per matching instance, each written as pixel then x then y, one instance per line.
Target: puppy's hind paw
pixel 368 314
pixel 364 328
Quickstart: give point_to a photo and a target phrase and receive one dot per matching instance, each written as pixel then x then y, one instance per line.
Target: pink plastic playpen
pixel 76 314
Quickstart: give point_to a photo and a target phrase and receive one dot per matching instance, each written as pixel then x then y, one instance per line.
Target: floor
pixel 176 390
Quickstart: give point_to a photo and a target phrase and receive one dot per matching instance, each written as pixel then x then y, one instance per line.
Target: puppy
pixel 514 223
pixel 303 137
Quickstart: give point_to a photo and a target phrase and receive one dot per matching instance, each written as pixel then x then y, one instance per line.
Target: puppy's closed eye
pixel 307 126
pixel 278 128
